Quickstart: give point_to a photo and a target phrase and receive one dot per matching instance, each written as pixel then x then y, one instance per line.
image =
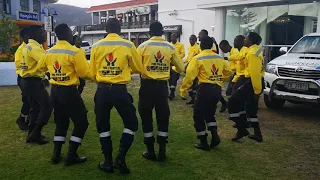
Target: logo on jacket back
pixel 57 67
pixel 110 60
pixel 110 69
pixel 58 75
pixel 214 70
pixel 215 76
pixel 159 57
pixel 159 65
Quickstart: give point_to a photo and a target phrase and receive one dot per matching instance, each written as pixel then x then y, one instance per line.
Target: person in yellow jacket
pixel 22 119
pixel 66 64
pixel 193 50
pixel 210 69
pixel 204 33
pixel 77 41
pixel 157 55
pixel 248 93
pixel 112 61
pixel 32 86
pixel 174 76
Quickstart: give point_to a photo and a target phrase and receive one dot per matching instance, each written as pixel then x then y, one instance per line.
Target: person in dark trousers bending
pixel 78 42
pixel 174 76
pixel 211 69
pixel 157 55
pixel 38 96
pixel 204 33
pixel 113 59
pixel 247 95
pixel 66 64
pixel 22 119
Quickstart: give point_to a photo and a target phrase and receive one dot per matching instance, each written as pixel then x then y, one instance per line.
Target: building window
pixel 24 4
pixel 37 7
pixel 314 26
pixel 5 6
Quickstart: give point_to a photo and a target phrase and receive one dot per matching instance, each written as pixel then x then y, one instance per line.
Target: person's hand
pixel 183 95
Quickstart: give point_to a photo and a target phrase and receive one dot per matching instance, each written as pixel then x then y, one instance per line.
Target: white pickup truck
pixel 294 76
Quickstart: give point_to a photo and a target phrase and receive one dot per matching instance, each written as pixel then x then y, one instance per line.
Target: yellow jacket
pixel 18 57
pixel 214 48
pixel 254 67
pixel 208 67
pixel 66 63
pixel 180 50
pixel 239 59
pixel 192 52
pixel 233 58
pixel 113 59
pixel 157 55
pixel 31 55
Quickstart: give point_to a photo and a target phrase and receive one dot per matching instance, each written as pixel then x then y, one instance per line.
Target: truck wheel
pixel 274 103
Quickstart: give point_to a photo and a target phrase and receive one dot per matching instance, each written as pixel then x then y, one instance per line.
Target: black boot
pixel 215 141
pixel 257 133
pixel 107 165
pixel 172 94
pixel 162 151
pixel 240 134
pixel 203 145
pixel 73 157
pixel 120 162
pixel 22 123
pixel 150 153
pixel 34 136
pixel 56 156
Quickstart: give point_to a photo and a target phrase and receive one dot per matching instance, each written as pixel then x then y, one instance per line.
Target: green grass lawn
pixel 291 149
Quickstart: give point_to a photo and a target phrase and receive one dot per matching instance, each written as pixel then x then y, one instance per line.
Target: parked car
pixel 87 47
pixel 294 76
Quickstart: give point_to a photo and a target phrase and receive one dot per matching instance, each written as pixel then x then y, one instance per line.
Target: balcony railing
pixel 124 25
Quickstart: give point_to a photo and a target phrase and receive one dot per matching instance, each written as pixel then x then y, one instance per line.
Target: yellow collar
pixel 157 38
pixel 112 35
pixel 63 42
pixel 34 42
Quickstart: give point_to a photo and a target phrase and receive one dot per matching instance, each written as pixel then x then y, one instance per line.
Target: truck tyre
pixel 274 103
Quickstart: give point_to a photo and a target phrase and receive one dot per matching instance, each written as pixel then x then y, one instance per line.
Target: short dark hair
pixel 75 38
pixel 205 32
pixel 113 26
pixel 34 31
pixel 241 37
pixel 255 38
pixel 24 31
pixel 156 28
pixel 62 31
pixel 224 43
pixel 193 36
pixel 206 43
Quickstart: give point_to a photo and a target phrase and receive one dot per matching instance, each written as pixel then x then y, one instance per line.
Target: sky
pixel 87 3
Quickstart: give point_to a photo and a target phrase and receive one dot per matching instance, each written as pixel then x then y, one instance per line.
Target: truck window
pixel 307 45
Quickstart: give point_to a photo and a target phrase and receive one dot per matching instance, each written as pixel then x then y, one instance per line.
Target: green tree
pixel 9 32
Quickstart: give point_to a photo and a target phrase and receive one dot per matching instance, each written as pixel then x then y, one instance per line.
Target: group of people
pixel 113 61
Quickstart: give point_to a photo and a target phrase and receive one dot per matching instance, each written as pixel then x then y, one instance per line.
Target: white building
pixel 135 17
pixel 278 22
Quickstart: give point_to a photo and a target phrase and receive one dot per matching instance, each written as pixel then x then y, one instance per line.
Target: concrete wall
pixel 188 15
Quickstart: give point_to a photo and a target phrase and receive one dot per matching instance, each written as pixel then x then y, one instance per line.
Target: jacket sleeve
pixel 135 61
pixel 42 66
pixel 226 70
pixel 93 67
pixel 17 58
pixel 81 65
pixel 255 66
pixel 191 73
pixel 182 51
pixel 177 62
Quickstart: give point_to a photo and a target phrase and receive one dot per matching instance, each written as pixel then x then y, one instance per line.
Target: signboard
pixel 48 23
pixel 30 16
pixel 173 29
pixel 143 10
